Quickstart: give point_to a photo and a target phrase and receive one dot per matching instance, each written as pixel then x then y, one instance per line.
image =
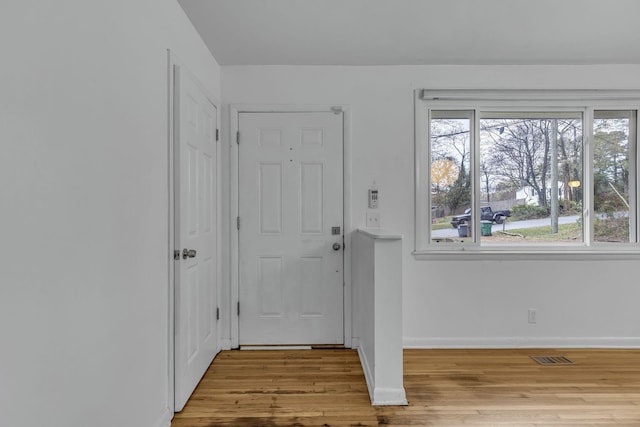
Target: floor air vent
pixel 552 360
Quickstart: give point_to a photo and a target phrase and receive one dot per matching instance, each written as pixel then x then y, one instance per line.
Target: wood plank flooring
pixel 444 388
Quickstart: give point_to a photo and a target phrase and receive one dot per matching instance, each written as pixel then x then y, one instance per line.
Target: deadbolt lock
pixel 188 253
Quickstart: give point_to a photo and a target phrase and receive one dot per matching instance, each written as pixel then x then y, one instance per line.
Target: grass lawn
pixel 442 223
pixel 566 233
pixel 607 230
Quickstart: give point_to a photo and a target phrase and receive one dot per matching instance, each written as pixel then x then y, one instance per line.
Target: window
pixel 611 175
pixel 526 171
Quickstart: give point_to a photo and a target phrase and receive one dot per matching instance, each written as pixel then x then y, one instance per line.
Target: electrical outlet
pixel 373 219
pixel 533 315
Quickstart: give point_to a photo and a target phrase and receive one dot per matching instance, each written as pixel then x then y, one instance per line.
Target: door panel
pixel 196 341
pixel 270 286
pixel 311 197
pixel 290 180
pixel 270 198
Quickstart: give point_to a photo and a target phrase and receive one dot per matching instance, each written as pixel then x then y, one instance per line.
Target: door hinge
pixel 238 308
pixel 217 134
pixel 238 222
pixel 238 137
pixel 217 313
pixel 176 254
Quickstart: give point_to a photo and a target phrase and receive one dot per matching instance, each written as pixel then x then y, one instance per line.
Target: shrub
pixel 523 212
pixel 575 208
pixel 611 229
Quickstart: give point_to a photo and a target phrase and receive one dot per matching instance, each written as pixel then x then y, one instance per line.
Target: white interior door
pixel 291 228
pixel 196 235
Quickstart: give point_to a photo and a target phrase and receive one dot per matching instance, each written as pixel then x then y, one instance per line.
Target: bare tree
pixel 519 151
pixel 450 146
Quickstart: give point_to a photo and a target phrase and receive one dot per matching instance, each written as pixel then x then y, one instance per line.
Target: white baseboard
pixel 368 373
pixel 355 343
pixel 380 396
pixel 225 344
pixel 165 419
pixel 389 397
pixel 520 342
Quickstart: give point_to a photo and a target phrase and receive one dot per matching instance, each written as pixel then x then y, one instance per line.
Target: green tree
pixel 611 171
pixel 459 193
pixel 450 163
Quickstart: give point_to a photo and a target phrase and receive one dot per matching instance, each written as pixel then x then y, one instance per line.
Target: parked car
pixel 486 214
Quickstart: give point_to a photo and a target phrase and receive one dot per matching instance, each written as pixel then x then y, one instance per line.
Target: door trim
pixel 172 62
pixel 234 114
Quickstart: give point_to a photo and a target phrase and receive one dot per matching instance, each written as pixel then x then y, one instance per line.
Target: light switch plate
pixel 373 219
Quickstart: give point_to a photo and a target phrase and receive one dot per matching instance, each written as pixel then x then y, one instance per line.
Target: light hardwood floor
pixel 444 388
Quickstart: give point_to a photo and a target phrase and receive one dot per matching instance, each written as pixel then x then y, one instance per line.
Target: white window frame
pixel 478 101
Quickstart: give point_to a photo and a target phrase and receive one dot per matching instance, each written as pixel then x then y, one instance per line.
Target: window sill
pixel 528 254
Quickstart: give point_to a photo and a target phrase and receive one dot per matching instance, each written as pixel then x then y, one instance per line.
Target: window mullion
pixel 475 176
pixel 634 202
pixel 587 176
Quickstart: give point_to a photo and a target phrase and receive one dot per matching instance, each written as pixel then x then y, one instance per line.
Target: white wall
pixel 377 312
pixel 468 303
pixel 363 303
pixel 84 208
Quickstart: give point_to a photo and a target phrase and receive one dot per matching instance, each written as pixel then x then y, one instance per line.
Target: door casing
pixel 234 111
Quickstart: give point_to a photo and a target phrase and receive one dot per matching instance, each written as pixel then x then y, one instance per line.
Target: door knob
pixel 336 246
pixel 188 253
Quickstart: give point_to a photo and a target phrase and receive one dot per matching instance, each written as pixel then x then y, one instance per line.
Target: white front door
pixel 196 235
pixel 291 228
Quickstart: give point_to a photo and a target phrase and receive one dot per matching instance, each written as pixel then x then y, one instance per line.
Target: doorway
pixel 290 228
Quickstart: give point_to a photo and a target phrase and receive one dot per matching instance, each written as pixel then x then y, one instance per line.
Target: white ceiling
pixel 411 32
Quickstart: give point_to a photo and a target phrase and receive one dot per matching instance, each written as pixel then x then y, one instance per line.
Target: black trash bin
pixel 463 230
